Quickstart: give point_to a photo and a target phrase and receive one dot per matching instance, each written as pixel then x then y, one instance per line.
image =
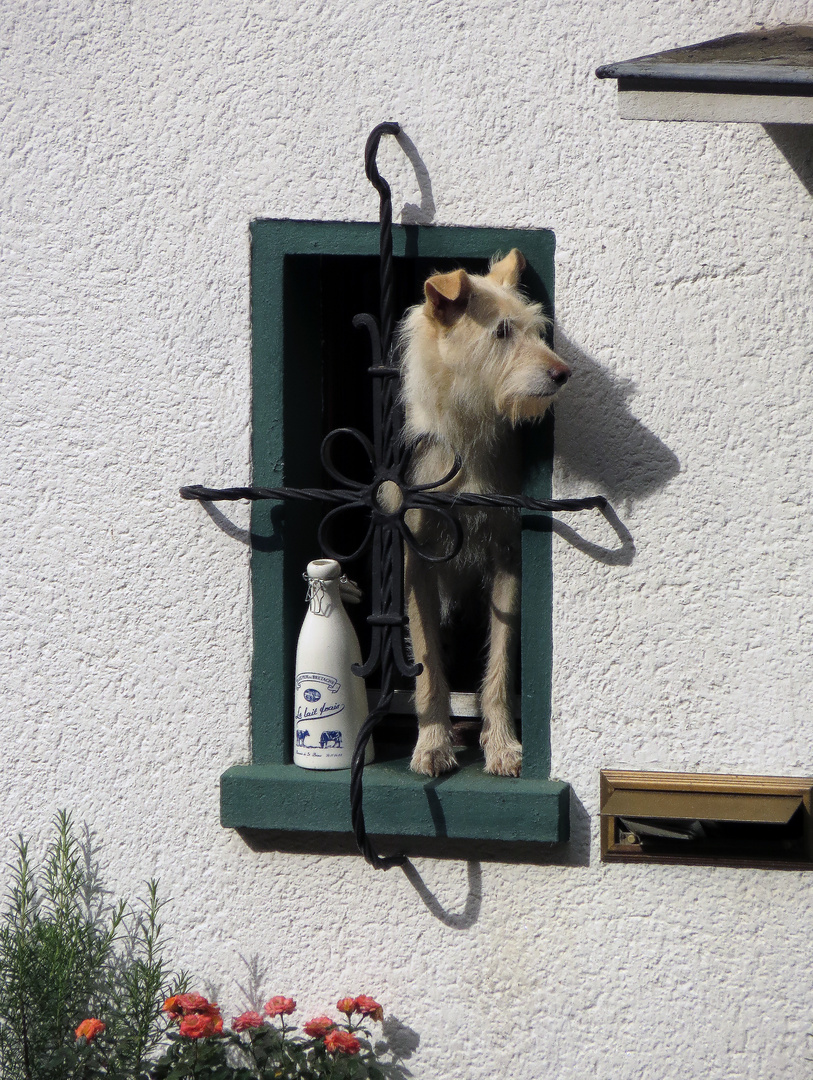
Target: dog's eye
pixel 503 329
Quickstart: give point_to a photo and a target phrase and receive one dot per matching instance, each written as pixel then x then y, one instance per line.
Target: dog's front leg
pixel 433 751
pixel 499 738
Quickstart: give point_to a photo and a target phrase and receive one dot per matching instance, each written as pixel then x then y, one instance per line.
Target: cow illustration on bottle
pixel 327 740
pixel 330 738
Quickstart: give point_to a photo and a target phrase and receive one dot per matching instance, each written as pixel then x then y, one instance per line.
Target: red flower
pixel 247 1020
pixel 347 1005
pixel 201 1025
pixel 339 1041
pixel 280 1006
pixel 199 1018
pixel 89 1029
pixel 318 1027
pixel 182 1004
pixel 368 1007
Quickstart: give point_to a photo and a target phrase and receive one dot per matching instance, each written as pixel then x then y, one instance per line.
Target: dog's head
pixel 489 341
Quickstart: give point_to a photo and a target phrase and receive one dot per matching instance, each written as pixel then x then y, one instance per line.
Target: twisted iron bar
pixel 413 499
pixel 385 271
pixel 257 494
pixel 387 531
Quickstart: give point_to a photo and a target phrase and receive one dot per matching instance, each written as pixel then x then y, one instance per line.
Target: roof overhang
pixel 759 77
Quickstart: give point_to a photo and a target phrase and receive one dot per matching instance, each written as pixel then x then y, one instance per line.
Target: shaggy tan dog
pixel 474 365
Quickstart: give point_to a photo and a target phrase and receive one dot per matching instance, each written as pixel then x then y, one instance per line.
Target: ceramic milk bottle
pixel 330 702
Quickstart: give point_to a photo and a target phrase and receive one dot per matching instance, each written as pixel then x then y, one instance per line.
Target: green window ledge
pixel 308 279
pixel 464 805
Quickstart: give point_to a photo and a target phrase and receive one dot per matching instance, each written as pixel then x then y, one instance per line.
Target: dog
pixel 474 365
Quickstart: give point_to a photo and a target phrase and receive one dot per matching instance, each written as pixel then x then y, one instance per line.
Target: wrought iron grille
pixel 387 530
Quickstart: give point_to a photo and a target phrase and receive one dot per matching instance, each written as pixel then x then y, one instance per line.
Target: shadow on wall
pixel 471 909
pixel 226 525
pixel 401 1042
pixel 796 143
pixel 599 439
pixel 410 213
pixel 254 986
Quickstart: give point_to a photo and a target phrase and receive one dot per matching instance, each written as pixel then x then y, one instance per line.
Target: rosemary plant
pixel 65 958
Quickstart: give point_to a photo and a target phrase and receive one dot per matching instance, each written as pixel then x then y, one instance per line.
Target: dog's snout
pixel 560 373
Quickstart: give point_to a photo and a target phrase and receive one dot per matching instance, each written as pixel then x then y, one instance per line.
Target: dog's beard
pixel 528 408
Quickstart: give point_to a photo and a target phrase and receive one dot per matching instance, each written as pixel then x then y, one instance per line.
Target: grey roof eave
pixel 714 72
pixel 782 55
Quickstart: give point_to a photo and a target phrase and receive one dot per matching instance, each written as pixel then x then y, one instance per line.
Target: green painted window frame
pixel 272 793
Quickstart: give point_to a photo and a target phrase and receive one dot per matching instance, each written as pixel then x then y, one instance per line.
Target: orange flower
pixel 339 1041
pixel 368 1007
pixel 171 1007
pixel 347 1005
pixel 247 1020
pixel 280 1006
pixel 89 1029
pixel 201 1025
pixel 318 1027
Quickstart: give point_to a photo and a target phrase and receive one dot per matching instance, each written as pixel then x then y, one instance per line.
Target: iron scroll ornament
pixel 387 528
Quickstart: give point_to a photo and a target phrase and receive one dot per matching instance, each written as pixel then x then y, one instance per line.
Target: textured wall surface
pixel 138 141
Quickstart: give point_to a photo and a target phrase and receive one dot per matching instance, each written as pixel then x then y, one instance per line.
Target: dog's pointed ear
pixel 508 270
pixel 447 296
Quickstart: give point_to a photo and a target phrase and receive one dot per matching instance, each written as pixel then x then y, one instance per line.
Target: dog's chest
pixel 487 466
pixel 489 535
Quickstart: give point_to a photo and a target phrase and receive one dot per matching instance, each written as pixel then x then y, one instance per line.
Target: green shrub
pixel 85 994
pixel 66 958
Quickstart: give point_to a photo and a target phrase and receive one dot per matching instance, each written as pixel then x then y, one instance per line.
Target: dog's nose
pixel 560 373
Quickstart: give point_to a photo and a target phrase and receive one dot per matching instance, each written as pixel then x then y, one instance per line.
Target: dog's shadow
pixel 604 447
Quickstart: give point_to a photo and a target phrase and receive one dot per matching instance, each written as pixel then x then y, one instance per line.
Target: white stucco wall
pixel 138 141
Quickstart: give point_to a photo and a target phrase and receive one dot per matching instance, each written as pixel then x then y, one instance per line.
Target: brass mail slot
pixel 707 819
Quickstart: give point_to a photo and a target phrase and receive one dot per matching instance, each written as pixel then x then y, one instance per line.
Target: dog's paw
pixel 507 761
pixel 433 762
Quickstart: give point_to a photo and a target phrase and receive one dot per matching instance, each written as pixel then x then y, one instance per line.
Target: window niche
pixel 309 376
